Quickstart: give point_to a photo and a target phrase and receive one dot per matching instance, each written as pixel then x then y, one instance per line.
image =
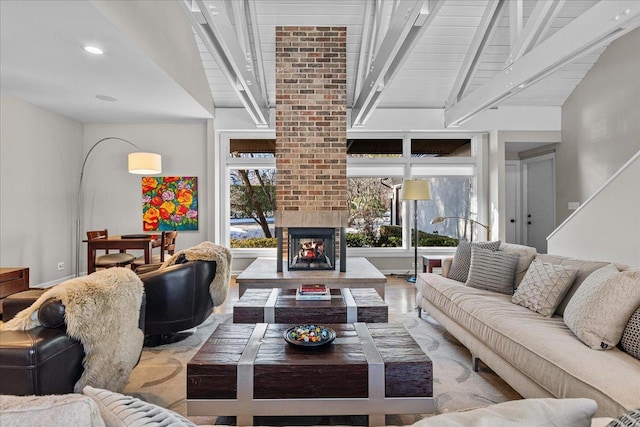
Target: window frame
pixel 404 167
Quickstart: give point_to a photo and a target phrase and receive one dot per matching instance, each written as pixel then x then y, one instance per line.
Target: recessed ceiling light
pixel 93 49
pixel 106 98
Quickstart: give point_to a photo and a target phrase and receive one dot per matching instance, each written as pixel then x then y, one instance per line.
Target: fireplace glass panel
pixel 312 248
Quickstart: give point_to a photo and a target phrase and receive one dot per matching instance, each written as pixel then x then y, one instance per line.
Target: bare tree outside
pixel 368 200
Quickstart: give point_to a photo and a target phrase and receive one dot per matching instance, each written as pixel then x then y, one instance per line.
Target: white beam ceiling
pixel 598 26
pixel 410 19
pixel 214 26
pixel 478 46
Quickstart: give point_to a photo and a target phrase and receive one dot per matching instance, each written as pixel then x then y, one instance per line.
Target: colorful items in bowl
pixel 309 335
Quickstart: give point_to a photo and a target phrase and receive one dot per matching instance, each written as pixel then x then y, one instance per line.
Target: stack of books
pixel 313 292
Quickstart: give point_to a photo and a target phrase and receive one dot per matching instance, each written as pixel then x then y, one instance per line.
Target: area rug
pixel 160 377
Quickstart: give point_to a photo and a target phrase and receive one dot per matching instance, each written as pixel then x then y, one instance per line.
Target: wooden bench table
pixel 248 370
pixel 280 306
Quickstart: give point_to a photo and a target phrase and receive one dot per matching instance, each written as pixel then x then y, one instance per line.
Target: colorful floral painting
pixel 169 203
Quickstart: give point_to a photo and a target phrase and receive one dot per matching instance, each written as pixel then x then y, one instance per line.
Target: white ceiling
pixel 41 59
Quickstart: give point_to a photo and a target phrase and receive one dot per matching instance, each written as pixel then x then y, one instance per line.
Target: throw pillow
pixel 544 286
pixel 576 412
pixel 492 270
pixel 602 306
pixel 119 410
pixel 526 254
pixel 57 409
pixel 630 341
pixel 462 259
pixel 585 268
pixel 628 419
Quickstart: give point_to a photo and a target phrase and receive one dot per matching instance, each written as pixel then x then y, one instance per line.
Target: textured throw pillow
pixel 57 409
pixel 585 268
pixel 630 341
pixel 602 306
pixel 520 413
pixel 462 259
pixel 492 270
pixel 628 419
pixel 543 286
pixel 118 410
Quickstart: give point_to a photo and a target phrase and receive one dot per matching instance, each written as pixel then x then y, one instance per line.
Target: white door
pixel 512 208
pixel 539 200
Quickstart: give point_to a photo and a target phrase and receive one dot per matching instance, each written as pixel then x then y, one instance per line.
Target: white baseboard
pixel 51 283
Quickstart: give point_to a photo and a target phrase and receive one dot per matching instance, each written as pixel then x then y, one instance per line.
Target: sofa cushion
pixel 543 286
pixel 630 341
pixel 119 410
pixel 542 348
pixel 462 259
pixel 518 413
pixel 602 306
pixel 68 409
pixel 492 270
pixel 585 268
pixel 526 254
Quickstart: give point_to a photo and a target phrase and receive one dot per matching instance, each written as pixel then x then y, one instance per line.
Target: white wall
pixel 600 124
pixel 163 31
pixel 606 227
pixel 39 167
pixel 112 196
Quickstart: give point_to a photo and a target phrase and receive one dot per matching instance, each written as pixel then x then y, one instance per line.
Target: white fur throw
pixel 207 251
pixel 102 311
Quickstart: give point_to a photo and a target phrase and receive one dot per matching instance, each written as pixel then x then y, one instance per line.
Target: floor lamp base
pixel 411 279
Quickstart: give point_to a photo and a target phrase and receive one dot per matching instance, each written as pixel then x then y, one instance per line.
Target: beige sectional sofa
pixel 538 356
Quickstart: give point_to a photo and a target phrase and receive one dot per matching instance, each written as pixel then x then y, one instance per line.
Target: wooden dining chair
pixel 120 259
pixel 166 243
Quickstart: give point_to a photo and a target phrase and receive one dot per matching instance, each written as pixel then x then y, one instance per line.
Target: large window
pixel 373 220
pixel 376 167
pixel 451 196
pixel 252 193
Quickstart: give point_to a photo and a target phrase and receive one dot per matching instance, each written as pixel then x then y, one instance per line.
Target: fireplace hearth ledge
pixel 335 219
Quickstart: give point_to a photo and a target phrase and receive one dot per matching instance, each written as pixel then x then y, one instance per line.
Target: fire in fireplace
pixel 312 248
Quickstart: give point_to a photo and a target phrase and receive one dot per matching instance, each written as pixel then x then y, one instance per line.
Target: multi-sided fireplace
pixel 311 248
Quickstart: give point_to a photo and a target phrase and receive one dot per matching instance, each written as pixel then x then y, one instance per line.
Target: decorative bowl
pixel 309 336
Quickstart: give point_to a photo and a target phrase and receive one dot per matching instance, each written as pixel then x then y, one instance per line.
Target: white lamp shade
pixel 415 189
pixel 145 163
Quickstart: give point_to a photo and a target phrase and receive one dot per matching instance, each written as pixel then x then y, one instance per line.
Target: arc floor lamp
pixel 415 189
pixel 140 163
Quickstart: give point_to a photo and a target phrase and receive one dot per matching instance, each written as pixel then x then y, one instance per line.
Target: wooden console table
pixel 262 274
pixel 13 280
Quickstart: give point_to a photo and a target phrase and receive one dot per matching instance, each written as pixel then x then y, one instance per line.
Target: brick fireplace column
pixel 311 128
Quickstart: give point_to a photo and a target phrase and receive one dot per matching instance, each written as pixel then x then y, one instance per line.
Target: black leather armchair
pixel 177 299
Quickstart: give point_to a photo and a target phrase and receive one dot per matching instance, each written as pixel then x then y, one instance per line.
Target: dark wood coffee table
pixel 280 306
pixel 248 370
